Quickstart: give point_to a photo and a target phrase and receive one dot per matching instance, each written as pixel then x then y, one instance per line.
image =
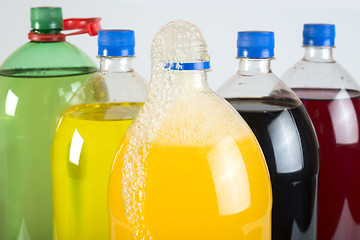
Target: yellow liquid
pixel 217 187
pixel 83 151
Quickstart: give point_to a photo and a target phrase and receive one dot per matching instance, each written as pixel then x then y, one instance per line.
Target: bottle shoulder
pixel 205 113
pixel 258 86
pixel 120 87
pixel 47 59
pixel 319 75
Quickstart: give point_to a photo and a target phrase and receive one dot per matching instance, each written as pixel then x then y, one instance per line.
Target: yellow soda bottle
pixel 189 167
pixel 87 137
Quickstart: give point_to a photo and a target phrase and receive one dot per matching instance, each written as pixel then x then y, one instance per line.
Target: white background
pixel 219 21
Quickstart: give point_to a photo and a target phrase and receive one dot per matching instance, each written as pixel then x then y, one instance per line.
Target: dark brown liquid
pixel 289 144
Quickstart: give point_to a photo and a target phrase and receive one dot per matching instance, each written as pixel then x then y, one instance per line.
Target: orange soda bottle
pixel 189 167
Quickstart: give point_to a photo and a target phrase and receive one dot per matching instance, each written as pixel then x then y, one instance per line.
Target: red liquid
pixel 336 117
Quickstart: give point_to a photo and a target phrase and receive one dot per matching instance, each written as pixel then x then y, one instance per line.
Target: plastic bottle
pixel 284 131
pixel 189 167
pixel 36 81
pixel 88 135
pixel 332 99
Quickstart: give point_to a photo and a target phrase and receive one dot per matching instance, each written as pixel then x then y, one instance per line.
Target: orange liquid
pixel 215 188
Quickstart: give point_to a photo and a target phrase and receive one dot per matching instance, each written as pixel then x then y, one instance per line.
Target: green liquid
pixel 29 110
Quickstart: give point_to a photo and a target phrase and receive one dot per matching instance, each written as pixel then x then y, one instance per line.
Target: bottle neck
pixel 191 80
pixel 319 54
pixel 253 66
pixel 115 64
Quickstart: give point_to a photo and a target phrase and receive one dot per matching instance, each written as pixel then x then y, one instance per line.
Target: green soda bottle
pixel 36 81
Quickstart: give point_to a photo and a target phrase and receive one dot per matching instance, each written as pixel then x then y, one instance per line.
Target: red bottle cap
pixel 90 26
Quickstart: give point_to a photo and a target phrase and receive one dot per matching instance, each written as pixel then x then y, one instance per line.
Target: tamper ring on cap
pixel 188 66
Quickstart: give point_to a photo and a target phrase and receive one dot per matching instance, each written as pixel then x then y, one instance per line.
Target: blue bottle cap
pixel 322 35
pixel 255 44
pixel 116 43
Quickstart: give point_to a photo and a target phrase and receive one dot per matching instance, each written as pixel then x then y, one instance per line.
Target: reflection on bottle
pixel 11 103
pixel 65 92
pixel 344 119
pixel 23 232
pixel 345 230
pixel 75 147
pixel 75 86
pixel 288 151
pixel 230 177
